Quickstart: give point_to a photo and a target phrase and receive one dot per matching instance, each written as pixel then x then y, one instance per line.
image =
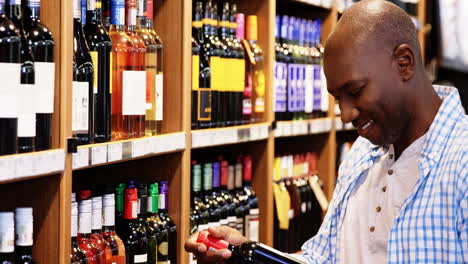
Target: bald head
pixel 376 26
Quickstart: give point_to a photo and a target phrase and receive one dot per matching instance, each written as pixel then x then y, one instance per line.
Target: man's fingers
pixel 195 247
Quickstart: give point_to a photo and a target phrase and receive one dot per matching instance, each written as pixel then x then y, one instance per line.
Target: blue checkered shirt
pixel 432 226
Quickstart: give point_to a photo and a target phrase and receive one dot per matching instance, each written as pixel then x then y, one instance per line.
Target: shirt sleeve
pixel 462 220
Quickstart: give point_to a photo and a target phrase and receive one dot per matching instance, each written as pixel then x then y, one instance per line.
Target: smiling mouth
pixel 367 125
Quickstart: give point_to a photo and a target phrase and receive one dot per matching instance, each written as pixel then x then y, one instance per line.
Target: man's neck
pixel 424 109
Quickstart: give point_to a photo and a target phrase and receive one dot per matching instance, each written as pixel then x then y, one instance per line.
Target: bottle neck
pixel 14 13
pixel 84 223
pixel 108 211
pixel 117 14
pixel 34 8
pixel 2 9
pixel 162 203
pixel 108 229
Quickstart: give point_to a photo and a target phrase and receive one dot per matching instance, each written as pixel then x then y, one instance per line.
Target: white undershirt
pixel 374 205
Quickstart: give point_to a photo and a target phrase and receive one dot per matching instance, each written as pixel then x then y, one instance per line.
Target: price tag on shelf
pixel 182 139
pixel 58 158
pixel 148 143
pixel 138 148
pixel 156 144
pixel 25 166
pixel 254 133
pixel 114 152
pixel 98 154
pixel 287 129
pixel 7 167
pixel 81 158
pixel 264 132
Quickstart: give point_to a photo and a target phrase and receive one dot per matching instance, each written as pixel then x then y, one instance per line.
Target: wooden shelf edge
pixel 229 135
pixel 103 154
pixel 25 166
pixel 303 127
pixel 314 4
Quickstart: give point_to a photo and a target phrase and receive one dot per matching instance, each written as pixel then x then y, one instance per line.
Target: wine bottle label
pixel 92 6
pixel 134 93
pixel 163 248
pixel 14 2
pixel 279 94
pixel 159 96
pixel 217 73
pixel 11 78
pixel 238 66
pixel 7 239
pixel 26 113
pixel 94 58
pixel 259 91
pixel 162 201
pixel 204 104
pixel 44 87
pixel 291 87
pixel 80 107
pixel 117 12
pixel 24 234
pixel 74 225
pixel 109 216
pixel 195 72
pixel 143 258
pixel 309 88
pixel 131 12
pixel 252 224
pixel 317 88
pixel 84 223
pixel 77 9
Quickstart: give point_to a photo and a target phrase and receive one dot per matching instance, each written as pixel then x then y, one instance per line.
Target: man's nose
pixel 349 112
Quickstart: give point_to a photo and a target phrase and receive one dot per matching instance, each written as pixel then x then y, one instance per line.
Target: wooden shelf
pixel 31 165
pixel 303 127
pixel 120 151
pixel 229 135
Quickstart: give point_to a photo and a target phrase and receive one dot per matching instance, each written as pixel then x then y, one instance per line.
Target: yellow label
pixel 277 166
pixel 94 58
pixel 207 21
pixel 233 25
pixel 217 73
pixel 230 75
pixel 224 24
pixel 195 72
pixel 239 75
pixel 283 204
pixel 259 86
pixel 223 63
pixel 111 65
pixel 197 24
pixel 249 52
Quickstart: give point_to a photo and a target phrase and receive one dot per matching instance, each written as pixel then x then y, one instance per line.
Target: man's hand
pixel 205 256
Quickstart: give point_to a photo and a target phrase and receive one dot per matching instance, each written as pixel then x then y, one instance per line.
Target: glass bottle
pixel 24 235
pixel 248 252
pixel 151 231
pixel 138 63
pixel 170 225
pixel 162 236
pixel 10 73
pixel 123 123
pixel 238 67
pixel 42 45
pixel 132 233
pixel 255 69
pixel 77 256
pixel 108 233
pixel 196 42
pixel 26 111
pixel 100 46
pixel 96 231
pixel 7 236
pixel 92 252
pixel 82 128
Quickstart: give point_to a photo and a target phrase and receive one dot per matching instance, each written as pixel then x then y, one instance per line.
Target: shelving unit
pixel 47 188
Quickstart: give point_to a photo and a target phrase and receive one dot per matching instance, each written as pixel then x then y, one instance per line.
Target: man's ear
pixel 405 61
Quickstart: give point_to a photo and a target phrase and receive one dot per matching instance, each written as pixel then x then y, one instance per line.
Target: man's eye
pixel 356 92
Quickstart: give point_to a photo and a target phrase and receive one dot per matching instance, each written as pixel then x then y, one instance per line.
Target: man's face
pixel 369 90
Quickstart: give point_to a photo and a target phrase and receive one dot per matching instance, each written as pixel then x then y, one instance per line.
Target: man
pixel 402 192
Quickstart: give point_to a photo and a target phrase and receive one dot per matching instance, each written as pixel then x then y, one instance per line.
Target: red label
pixel 211 242
pixel 224 173
pixel 131 203
pixel 247 169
